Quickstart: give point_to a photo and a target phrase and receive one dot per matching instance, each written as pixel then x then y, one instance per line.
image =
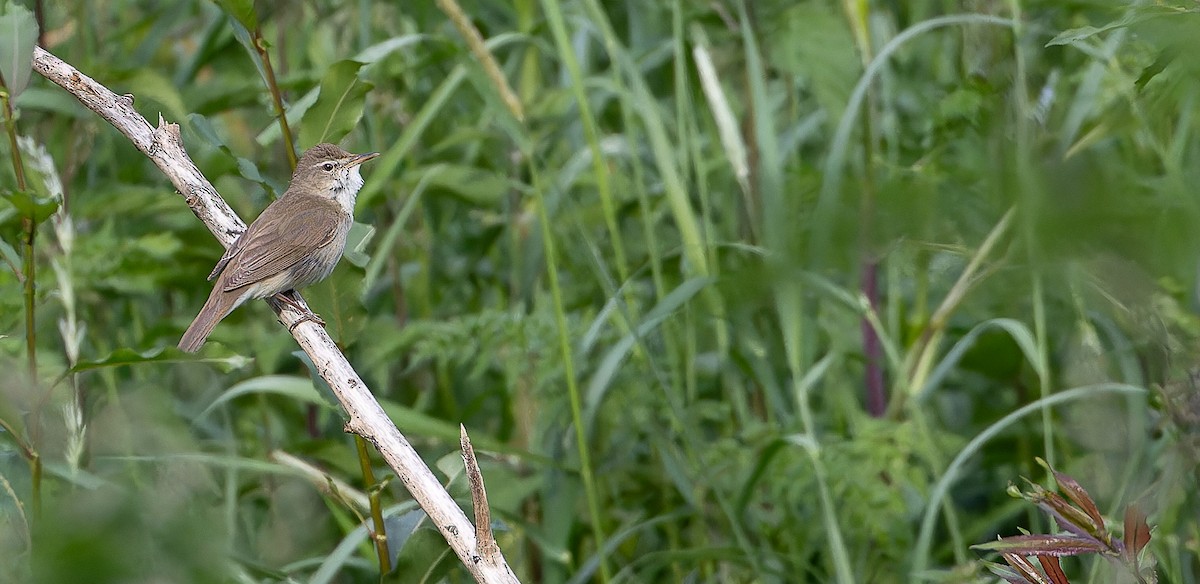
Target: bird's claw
pixel 309 316
pixel 305 314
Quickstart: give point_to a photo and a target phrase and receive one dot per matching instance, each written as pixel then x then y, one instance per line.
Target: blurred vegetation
pixel 756 290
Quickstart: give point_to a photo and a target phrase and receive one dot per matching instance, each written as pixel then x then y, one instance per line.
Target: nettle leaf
pixel 31 206
pixel 241 11
pixel 339 105
pixel 18 35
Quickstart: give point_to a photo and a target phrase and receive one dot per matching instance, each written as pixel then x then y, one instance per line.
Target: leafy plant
pixel 1084 532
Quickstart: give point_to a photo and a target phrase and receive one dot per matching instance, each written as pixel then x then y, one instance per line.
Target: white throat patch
pixel 345 196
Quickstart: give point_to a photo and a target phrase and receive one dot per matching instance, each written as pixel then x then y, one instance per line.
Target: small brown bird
pixel 295 242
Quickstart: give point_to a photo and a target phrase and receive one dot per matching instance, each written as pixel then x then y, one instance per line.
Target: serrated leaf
pixel 241 11
pixel 339 105
pixel 18 35
pixel 31 206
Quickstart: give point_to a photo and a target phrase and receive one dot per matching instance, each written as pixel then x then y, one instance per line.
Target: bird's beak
pixel 361 158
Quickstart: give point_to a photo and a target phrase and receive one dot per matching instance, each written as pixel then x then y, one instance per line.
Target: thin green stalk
pixel 789 306
pixel 371 486
pixel 276 97
pixel 573 389
pixel 922 354
pixel 35 465
pixel 570 61
pixel 663 147
pixel 564 340
pixel 28 268
pixel 28 272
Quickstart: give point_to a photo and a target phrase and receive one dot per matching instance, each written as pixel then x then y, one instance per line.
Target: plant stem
pixel 380 534
pixel 568 363
pixel 28 272
pixel 276 98
pixel 27 266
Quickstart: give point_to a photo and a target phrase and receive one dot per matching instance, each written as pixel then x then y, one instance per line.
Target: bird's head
pixel 326 170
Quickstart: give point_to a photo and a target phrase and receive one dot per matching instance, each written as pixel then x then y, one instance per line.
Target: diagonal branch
pixel 367 419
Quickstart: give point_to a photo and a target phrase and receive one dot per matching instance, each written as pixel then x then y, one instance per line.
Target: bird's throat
pixel 345 190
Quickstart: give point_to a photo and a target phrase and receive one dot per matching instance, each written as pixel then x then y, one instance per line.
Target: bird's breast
pixel 317 265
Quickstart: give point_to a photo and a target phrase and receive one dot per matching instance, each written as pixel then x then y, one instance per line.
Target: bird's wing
pixel 266 253
pixel 228 255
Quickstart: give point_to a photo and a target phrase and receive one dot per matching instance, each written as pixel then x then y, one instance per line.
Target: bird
pixel 295 242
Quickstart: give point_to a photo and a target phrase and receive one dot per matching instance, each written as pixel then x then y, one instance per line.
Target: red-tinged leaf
pixel 1068 516
pixel 1053 569
pixel 1025 568
pixel 1137 532
pixel 1051 545
pixel 1080 497
pixel 1005 573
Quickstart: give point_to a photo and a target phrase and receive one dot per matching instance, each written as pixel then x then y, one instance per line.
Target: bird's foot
pixel 289 298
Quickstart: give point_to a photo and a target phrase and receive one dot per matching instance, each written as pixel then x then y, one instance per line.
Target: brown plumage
pixel 295 242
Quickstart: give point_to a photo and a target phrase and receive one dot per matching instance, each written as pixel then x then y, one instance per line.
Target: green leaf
pixel 475 185
pixel 1063 544
pixel 357 241
pixel 126 356
pixel 367 56
pixel 18 35
pixel 203 128
pixel 607 370
pixel 339 105
pixel 31 206
pixel 9 254
pixel 153 86
pixel 1075 35
pixel 298 388
pixel 241 11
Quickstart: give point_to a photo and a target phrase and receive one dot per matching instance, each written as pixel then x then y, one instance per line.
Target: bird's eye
pixel 328 167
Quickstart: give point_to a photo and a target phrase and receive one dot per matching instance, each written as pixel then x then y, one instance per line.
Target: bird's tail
pixel 216 308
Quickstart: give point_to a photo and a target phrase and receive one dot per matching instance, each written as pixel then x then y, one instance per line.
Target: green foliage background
pixel 677 270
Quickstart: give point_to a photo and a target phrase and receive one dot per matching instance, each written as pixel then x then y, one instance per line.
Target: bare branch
pixel 367 418
pixel 483 513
